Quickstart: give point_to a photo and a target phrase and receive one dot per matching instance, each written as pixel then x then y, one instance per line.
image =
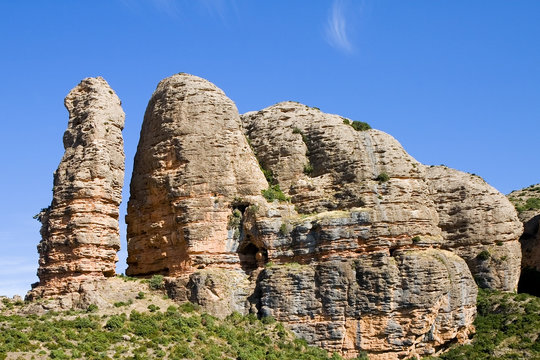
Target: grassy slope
pixel 508 327
pixel 125 331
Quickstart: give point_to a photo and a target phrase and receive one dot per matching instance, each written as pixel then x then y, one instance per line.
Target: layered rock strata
pixel 366 255
pixel 348 264
pixel 323 164
pixel 80 234
pixel 479 224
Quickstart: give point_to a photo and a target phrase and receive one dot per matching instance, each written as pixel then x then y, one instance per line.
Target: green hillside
pixel 507 327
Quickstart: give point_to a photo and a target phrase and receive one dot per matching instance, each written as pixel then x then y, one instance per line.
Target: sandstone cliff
pixel 314 219
pixel 348 264
pixel 79 231
pixel 323 163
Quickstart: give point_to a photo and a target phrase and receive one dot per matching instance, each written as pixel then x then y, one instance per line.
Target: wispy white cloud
pixel 336 27
pixel 179 8
pixel 168 7
pixel 215 7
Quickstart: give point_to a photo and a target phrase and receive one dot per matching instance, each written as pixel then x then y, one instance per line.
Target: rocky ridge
pixel 80 231
pixel 318 221
pixel 346 227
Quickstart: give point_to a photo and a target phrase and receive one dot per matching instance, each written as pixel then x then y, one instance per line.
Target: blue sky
pixel 457 82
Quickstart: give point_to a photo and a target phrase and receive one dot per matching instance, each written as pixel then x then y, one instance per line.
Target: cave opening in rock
pixel 251 256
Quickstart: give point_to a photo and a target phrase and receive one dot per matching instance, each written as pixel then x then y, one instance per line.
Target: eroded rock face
pixel 479 224
pixel 527 201
pixel 364 257
pixel 324 164
pixel 80 236
pixel 349 273
pixel 192 169
pixel 393 306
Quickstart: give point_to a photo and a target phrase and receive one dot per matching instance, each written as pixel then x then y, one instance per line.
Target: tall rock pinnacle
pixel 192 162
pixel 80 233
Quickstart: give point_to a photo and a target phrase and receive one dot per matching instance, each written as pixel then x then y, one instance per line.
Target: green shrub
pixel 156 282
pixel 268 174
pixel 126 278
pixel 530 204
pixel 122 303
pixel 483 255
pixel 357 125
pixel 140 295
pixel 267 320
pixel 416 239
pixel 285 228
pixel 296 131
pixel 92 308
pixel 274 193
pixel 382 177
pixel 115 322
pixel 308 169
pixel 235 219
pixel 188 307
pixel 360 126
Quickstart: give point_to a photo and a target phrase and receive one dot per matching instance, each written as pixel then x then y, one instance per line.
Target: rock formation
pixel 348 264
pixel 79 230
pixel 192 168
pixel 319 221
pixel 527 202
pixel 479 224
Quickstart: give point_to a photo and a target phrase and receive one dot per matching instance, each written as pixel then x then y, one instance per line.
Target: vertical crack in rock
pixel 80 233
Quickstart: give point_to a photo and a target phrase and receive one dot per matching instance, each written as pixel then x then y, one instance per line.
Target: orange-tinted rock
pixel 192 166
pixel 80 236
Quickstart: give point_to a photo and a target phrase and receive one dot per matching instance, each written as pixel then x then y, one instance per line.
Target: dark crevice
pixel 529 282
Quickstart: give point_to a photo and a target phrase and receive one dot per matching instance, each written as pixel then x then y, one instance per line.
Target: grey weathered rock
pixel 80 236
pixel 348 171
pixel 479 224
pixel 394 307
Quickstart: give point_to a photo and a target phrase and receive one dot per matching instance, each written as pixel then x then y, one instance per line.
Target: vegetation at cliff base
pixel 507 327
pixel 176 333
